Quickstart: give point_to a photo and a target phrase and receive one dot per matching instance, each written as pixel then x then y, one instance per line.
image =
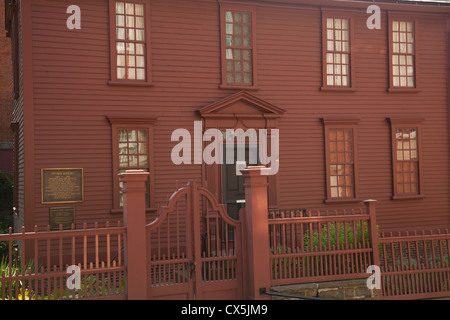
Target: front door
pixel 233 182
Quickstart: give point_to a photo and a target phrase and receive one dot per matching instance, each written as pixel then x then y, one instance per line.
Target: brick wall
pixel 6 137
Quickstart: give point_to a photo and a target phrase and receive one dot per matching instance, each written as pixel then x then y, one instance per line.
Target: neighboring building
pixel 6 137
pixel 363 114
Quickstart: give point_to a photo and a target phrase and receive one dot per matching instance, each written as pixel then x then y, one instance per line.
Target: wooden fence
pixel 279 247
pixel 415 265
pixel 307 246
pixel 36 266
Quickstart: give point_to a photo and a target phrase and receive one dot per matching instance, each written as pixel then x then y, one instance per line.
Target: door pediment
pixel 241 110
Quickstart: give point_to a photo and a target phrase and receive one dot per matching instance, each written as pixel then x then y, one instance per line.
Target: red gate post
pixel 257 233
pixel 135 241
pixel 373 233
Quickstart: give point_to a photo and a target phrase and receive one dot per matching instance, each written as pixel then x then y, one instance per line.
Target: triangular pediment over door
pixel 241 110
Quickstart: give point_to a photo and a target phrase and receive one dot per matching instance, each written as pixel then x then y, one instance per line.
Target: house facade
pixel 361 113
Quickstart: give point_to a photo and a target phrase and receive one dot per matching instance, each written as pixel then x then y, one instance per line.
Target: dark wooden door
pixel 233 183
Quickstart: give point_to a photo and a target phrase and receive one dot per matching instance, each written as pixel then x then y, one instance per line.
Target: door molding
pixel 240 110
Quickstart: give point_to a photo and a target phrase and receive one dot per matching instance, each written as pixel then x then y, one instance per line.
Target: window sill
pixel 130 84
pixel 337 89
pixel 403 90
pixel 409 197
pixel 120 211
pixel 337 201
pixel 237 87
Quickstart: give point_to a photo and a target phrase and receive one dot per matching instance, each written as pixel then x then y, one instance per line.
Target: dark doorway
pixel 233 183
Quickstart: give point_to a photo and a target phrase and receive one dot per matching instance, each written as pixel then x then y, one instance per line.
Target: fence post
pixel 373 233
pixel 257 233
pixel 135 241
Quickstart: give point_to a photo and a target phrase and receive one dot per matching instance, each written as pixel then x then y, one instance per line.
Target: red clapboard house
pixel 362 113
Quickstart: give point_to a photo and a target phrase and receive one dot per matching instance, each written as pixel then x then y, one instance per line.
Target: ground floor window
pixel 133 154
pixel 406 162
pixel 132 142
pixel 340 157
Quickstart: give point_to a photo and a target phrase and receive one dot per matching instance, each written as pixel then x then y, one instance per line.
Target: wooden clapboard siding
pixel 24 123
pixel 71 99
pixel 6 135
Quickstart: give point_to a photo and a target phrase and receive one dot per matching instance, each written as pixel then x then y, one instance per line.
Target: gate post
pixel 135 241
pixel 257 233
pixel 373 233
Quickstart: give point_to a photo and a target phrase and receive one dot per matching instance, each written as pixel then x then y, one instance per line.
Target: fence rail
pixel 36 263
pixel 319 246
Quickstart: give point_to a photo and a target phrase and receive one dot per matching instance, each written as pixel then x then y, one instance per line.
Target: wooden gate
pixel 195 249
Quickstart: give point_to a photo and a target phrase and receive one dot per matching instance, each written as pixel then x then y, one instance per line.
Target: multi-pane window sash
pixel 130 41
pixel 406 161
pixel 133 154
pixel 337 52
pixel 239 48
pixel 341 164
pixel 403 54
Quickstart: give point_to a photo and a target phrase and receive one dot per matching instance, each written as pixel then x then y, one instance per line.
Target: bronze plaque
pixel 64 216
pixel 62 186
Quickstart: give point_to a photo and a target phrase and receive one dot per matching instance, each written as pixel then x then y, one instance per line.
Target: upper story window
pixel 402 55
pixel 130 41
pixel 130 45
pixel 337 52
pixel 238 67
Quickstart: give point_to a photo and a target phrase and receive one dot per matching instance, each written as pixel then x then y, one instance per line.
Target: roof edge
pixel 413 6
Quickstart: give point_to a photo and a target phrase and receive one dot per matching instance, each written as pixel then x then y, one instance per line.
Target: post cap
pixel 134 175
pixel 254 170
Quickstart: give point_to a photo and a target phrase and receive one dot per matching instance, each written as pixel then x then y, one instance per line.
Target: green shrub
pixel 331 237
pixel 338 236
pixel 6 185
pixel 6 201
